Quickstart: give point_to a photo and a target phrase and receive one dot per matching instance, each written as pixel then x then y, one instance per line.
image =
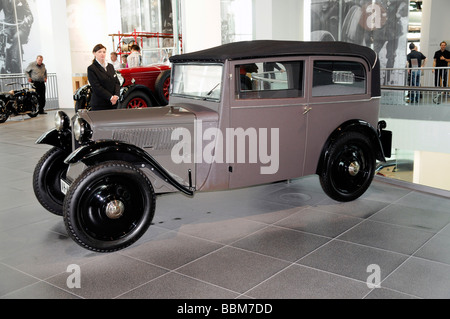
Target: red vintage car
pixel 143 86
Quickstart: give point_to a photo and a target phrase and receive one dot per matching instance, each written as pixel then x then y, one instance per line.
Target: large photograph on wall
pixel 379 24
pixel 17 23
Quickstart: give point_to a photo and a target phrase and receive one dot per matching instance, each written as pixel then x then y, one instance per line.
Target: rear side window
pixel 332 78
pixel 270 80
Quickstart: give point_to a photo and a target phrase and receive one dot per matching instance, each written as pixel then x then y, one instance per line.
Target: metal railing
pixel 397 88
pixel 51 93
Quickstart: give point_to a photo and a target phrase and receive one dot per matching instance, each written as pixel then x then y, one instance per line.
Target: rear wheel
pixel 162 86
pixel 34 106
pixel 349 168
pixel 109 206
pixel 136 99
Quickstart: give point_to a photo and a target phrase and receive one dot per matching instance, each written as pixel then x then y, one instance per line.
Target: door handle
pixel 307 109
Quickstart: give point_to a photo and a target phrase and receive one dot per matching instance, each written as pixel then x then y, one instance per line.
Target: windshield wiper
pixel 212 90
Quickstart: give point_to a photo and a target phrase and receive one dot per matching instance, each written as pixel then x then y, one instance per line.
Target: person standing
pixel 37 75
pixel 416 60
pixel 134 59
pixel 102 77
pixel 115 61
pixel 441 59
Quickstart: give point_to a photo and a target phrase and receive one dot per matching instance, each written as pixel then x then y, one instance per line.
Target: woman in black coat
pixel 105 86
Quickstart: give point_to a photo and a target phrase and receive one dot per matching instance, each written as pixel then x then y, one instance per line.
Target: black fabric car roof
pixel 274 48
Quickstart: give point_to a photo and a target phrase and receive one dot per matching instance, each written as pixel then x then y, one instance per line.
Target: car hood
pixel 144 117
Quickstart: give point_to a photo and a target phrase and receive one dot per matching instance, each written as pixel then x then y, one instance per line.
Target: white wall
pixel 201 24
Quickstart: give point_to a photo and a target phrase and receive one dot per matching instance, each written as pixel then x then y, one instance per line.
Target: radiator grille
pixel 154 138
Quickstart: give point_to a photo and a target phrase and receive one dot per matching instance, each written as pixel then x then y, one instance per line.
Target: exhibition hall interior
pixel 291 238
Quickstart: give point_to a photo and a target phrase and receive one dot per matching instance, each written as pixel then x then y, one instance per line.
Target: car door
pixel 266 134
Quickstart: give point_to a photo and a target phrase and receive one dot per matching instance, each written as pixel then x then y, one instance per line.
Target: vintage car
pixel 240 114
pixel 143 86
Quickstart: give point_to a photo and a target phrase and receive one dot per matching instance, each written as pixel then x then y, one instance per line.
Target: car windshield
pixel 199 81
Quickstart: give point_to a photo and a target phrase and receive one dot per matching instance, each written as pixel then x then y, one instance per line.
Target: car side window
pixel 332 78
pixel 270 80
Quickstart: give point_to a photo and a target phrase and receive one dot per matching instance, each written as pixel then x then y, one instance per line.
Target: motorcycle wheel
pixel 3 112
pixel 34 106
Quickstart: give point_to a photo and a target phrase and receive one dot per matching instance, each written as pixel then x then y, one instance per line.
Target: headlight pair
pixel 81 129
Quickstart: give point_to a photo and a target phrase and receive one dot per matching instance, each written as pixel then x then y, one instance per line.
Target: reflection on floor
pixel 283 240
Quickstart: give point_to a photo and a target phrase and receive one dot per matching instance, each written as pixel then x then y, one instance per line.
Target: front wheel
pixel 47 180
pixel 349 168
pixel 109 206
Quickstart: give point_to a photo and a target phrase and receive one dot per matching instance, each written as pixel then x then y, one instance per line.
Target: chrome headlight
pixel 81 130
pixel 62 121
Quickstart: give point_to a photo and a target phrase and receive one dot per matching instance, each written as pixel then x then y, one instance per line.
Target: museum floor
pixel 283 240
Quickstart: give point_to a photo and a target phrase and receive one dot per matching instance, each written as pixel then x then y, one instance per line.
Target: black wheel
pixel 349 168
pixel 47 180
pixel 34 106
pixel 162 86
pixel 109 206
pixel 3 112
pixel 136 99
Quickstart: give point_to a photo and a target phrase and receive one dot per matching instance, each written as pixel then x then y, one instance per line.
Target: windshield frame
pixel 210 90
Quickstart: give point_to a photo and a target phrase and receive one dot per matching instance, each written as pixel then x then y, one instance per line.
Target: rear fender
pixel 356 126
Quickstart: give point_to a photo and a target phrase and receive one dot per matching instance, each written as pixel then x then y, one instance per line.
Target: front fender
pixel 62 140
pixel 107 150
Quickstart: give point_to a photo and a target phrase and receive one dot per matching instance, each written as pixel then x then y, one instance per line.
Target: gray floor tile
pixel 233 269
pixel 422 278
pixel 177 286
pixel 184 249
pixel 109 276
pixel 437 249
pixel 383 293
pixel 390 237
pixel 413 216
pixel 281 243
pixel 40 290
pixel 318 222
pixel 299 282
pixel 353 261
pixel 360 208
pixel 12 280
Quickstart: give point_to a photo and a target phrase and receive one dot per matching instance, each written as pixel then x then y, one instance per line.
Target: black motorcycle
pixel 18 102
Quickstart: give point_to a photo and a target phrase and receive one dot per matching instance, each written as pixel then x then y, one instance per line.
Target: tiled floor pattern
pixel 283 240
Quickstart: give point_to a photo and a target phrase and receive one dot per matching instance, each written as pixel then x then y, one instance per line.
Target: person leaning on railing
pixel 416 60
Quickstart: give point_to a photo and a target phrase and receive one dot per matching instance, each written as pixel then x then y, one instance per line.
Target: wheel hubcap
pixel 115 209
pixel 354 168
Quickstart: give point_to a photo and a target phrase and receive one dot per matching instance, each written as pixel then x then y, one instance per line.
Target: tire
pixel 34 106
pixel 136 99
pixel 47 178
pixel 162 86
pixel 3 112
pixel 109 206
pixel 349 168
